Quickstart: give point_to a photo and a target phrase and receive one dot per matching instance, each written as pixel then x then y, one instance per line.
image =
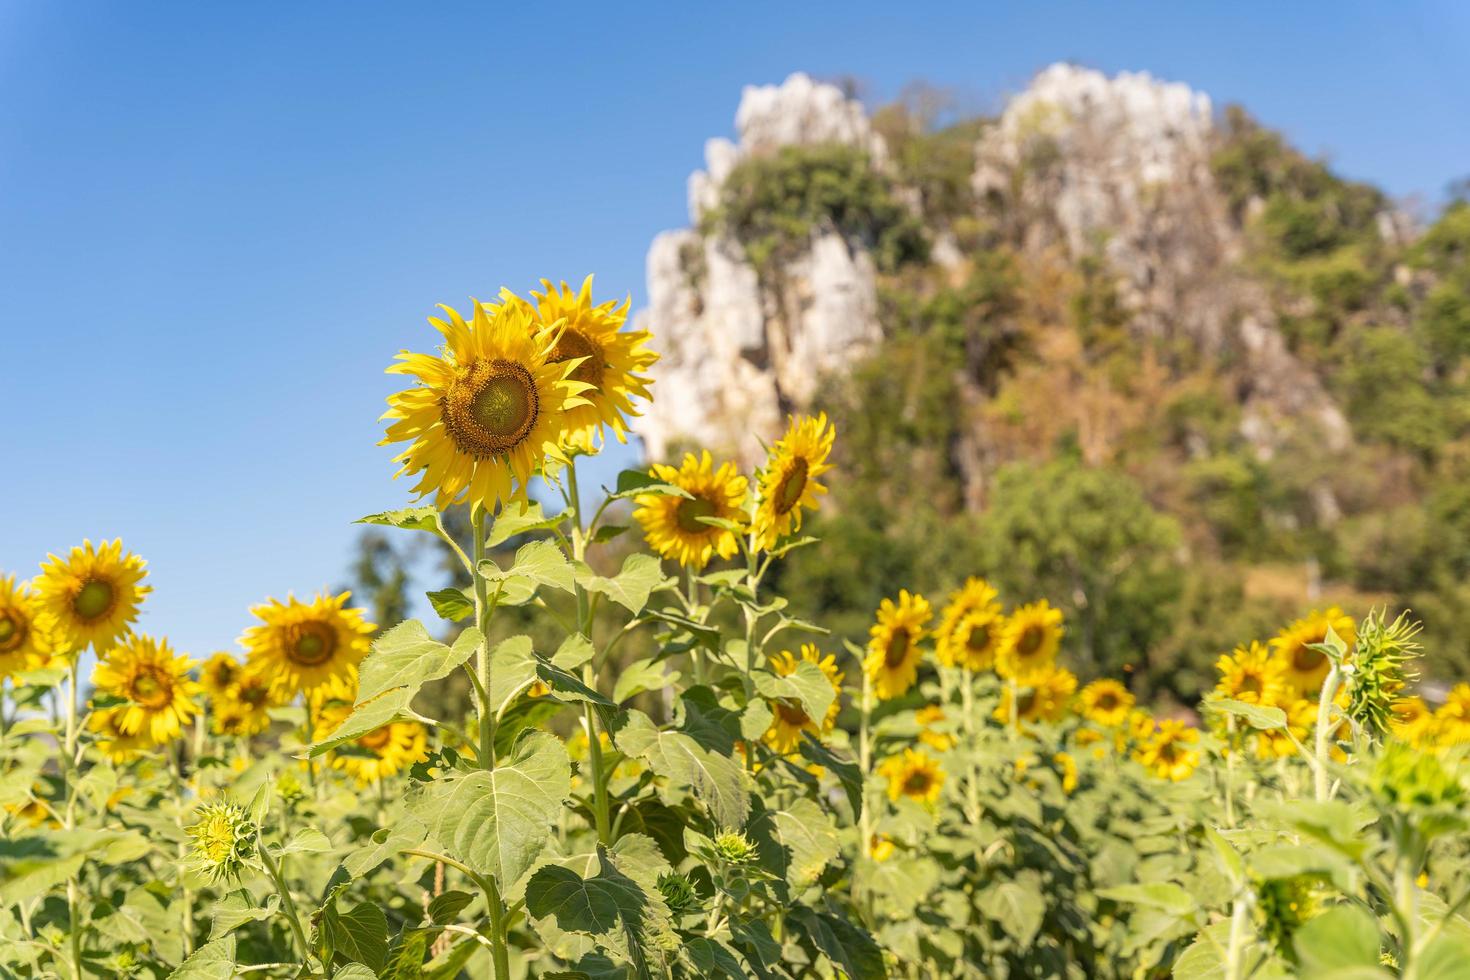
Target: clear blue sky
pixel 218 222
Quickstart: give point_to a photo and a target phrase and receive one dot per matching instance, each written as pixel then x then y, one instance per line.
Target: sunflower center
pixel 917 783
pixel 1251 684
pixel 254 695
pixel 791 714
pixel 792 485
pixel 979 637
pixel 1030 641
pixel 575 344
pixel 152 688
pixel 689 512
pixel 491 407
pixel 375 739
pixel 311 644
pixel 898 648
pixel 12 632
pixel 1305 659
pixel 1026 703
pixel 94 600
pixel 1107 701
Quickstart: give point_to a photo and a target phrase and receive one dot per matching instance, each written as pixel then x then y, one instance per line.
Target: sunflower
pixel 243 708
pixel 301 646
pixel 118 746
pixel 1304 669
pixel 1277 743
pixel 1413 721
pixel 1169 753
pixel 1032 636
pixel 224 841
pixel 1252 675
pixel 880 847
pixel 674 525
pixel 970 628
pixel 155 680
pixel 893 648
pixel 91 597
pixel 24 645
pixel 1067 767
pixel 378 754
pixel 789 718
pixel 1106 702
pixel 914 775
pixel 789 481
pixel 928 716
pixel 1043 696
pixel 218 673
pixel 610 360
pixel 487 410
pixel 1452 720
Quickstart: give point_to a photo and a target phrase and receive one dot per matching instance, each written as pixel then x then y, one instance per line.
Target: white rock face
pixel 737 356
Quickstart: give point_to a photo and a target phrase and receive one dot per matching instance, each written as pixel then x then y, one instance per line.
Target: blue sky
pixel 218 222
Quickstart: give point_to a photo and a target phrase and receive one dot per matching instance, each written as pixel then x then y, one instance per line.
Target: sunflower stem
pixel 482 620
pixel 1324 709
pixel 187 896
pixel 600 805
pixel 288 904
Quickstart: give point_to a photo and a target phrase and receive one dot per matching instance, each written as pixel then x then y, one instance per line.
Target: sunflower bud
pixel 224 841
pixel 1379 671
pixel 678 893
pixel 733 848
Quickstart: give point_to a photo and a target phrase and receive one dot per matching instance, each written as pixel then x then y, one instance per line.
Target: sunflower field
pixel 657 770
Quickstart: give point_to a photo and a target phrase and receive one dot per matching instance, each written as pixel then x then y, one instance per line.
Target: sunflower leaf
pixel 215 960
pixel 1258 716
pixel 508 525
pixel 451 604
pixel 714 780
pixel 634 482
pixel 808 686
pixel 367 717
pixel 540 562
pixel 411 518
pixel 495 821
pixel 407 656
pixel 630 588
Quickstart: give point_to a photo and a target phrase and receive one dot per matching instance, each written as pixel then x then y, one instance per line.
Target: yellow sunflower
pixel 1106 702
pixel 914 775
pixel 1452 720
pixel 118 746
pixel 488 409
pixel 24 645
pixel 243 707
pixel 1170 753
pixel 1033 634
pixel 155 680
pixel 894 653
pixel 1251 674
pixel 610 359
pixel 91 597
pixel 1413 721
pixel 1067 769
pixel 1044 696
pixel 378 754
pixel 881 847
pixel 1276 743
pixel 218 673
pixel 970 628
pixel 790 720
pixel 674 525
pixel 1304 669
pixel 301 646
pixel 930 715
pixel 789 481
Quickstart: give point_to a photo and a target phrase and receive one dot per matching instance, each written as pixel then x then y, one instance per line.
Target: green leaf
pixel 307 840
pixel 806 841
pixel 532 518
pixel 238 908
pixel 412 518
pixel 1016 905
pixel 630 588
pixel 807 686
pixel 711 958
pixel 716 781
pixel 843 943
pixel 541 562
pixel 639 676
pixel 1163 895
pixel 407 656
pixel 574 651
pixel 366 718
pixel 1343 937
pixel 360 935
pixel 755 720
pixel 355 971
pixel 452 604
pixel 633 482
pixel 848 774
pixel 608 532
pixel 446 906
pixel 1447 957
pixel 512 671
pixel 611 905
pixel 496 822
pixel 215 960
pixel 1258 716
pixel 705 636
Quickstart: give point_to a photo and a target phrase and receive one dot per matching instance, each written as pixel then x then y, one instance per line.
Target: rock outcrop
pixel 1078 165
